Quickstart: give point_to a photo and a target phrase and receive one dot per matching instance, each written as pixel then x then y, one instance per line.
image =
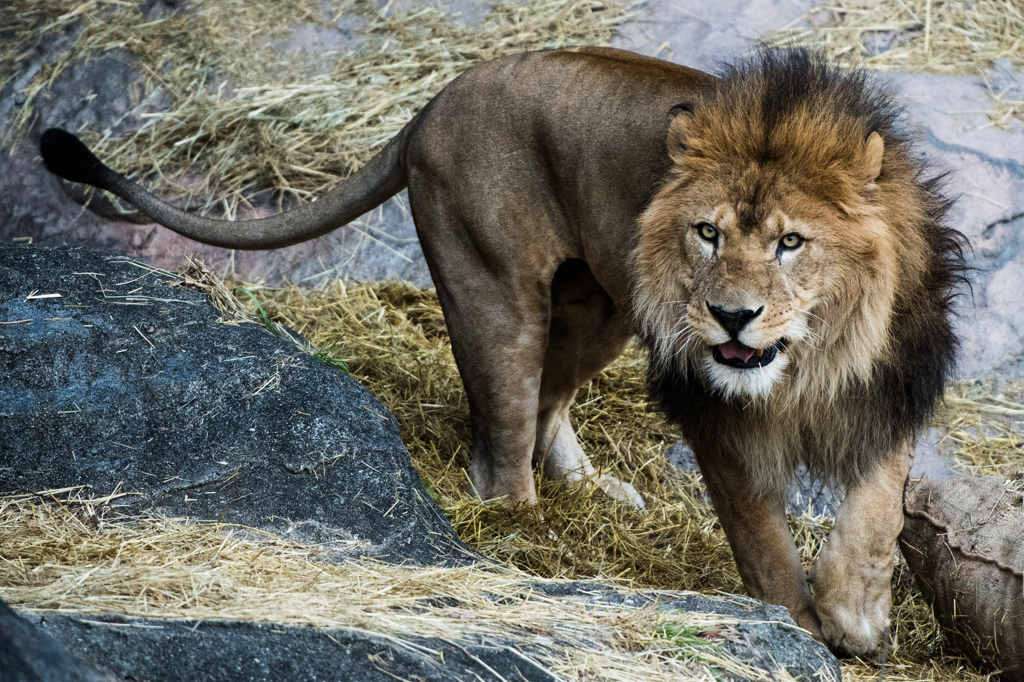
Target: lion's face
pixel 752 286
pixel 752 276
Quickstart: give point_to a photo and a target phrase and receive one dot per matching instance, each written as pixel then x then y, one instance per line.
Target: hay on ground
pixel 939 36
pixel 78 556
pixel 225 114
pixel 394 339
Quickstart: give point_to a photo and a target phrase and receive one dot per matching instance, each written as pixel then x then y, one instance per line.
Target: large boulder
pixel 119 385
pixel 29 655
pixel 174 651
pixel 762 638
pixel 761 635
pixel 114 379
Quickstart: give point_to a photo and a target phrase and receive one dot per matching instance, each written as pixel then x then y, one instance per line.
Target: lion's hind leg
pixel 500 364
pixel 587 332
pixel 497 317
pixel 852 586
pixel 498 342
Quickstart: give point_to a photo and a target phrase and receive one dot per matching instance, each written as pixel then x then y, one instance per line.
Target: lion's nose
pixel 733 321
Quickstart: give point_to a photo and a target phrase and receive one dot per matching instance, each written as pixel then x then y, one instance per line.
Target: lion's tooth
pixel 759 352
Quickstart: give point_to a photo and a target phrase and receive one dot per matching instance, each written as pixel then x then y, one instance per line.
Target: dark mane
pixel 800 118
pixel 786 81
pixel 792 110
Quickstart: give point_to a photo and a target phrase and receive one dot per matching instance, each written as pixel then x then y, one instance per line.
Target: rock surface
pixel 170 651
pixel 948 111
pixel 764 637
pixel 28 654
pixel 129 386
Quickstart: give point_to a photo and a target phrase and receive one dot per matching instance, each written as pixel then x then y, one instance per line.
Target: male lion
pixel 767 235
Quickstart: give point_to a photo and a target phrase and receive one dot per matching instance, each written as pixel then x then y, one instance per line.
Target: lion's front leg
pixel 759 536
pixel 852 586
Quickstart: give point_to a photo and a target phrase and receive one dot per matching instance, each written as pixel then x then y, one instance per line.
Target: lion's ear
pixel 873 151
pixel 680 116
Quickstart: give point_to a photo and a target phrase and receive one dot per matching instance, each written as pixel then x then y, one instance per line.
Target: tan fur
pixel 848 328
pixel 854 568
pixel 869 283
pixel 558 198
pixel 834 308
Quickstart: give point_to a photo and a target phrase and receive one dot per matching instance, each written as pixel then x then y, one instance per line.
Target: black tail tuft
pixel 64 155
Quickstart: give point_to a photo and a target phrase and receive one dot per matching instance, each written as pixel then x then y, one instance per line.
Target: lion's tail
pixel 381 177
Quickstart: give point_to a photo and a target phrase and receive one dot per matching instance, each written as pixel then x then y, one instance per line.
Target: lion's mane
pixel 885 345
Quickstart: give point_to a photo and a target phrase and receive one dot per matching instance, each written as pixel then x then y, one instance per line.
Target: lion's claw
pixel 620 491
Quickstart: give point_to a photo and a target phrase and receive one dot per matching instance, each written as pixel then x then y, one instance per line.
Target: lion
pixel 768 235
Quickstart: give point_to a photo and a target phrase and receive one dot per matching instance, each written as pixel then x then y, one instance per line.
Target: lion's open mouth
pixel 735 354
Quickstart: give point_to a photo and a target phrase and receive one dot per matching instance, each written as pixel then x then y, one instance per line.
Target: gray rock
pixel 933 456
pixel 701 34
pixel 680 456
pixel 28 654
pixel 174 651
pixel 1005 81
pixel 764 637
pixel 987 166
pixel 125 384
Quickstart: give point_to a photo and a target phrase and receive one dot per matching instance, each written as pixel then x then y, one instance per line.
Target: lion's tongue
pixel 735 349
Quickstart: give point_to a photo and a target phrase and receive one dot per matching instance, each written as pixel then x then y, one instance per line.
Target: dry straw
pixel 394 338
pixel 75 556
pixel 78 557
pixel 223 113
pixel 940 36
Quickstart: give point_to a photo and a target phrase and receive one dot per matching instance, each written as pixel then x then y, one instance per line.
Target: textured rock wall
pixel 123 383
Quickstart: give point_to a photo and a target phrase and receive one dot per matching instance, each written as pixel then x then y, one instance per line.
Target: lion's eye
pixel 707 231
pixel 791 241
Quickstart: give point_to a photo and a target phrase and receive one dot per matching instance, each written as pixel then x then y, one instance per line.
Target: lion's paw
pixel 856 631
pixel 853 599
pixel 620 491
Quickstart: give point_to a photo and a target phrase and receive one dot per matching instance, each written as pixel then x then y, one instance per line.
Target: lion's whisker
pixel 808 312
pixel 679 332
pixel 692 336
